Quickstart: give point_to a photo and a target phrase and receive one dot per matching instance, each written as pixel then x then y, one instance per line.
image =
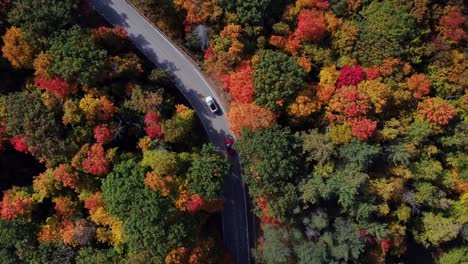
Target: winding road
pixel 188 79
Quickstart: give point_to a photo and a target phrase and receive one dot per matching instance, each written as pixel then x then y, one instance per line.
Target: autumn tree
pixel 350 75
pixel 199 12
pixel 162 162
pixel 19 144
pixel 67 176
pixel 207 173
pixel 95 108
pixel 303 106
pixel 41 65
pixel 225 50
pixel 179 126
pixel 77 233
pixel 75 56
pixel 277 77
pixel 17 50
pixel 451 24
pixel 240 84
pixel 126 66
pixel 419 84
pixel 112 39
pixel 153 125
pixel 103 134
pixel 96 163
pixel 250 116
pixel 436 110
pixel 16 203
pixel 144 101
pixel 58 87
pixel 311 25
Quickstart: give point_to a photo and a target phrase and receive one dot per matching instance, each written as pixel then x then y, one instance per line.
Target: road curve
pixel 159 49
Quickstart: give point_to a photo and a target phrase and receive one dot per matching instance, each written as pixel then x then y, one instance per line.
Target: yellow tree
pixel 16 50
pixel 41 64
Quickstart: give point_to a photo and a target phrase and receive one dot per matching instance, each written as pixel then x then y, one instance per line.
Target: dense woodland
pixel 350 117
pixel 101 161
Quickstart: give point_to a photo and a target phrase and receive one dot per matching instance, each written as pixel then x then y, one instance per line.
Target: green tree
pixel 317 146
pixel 75 56
pixel 14 232
pixel 277 77
pixel 28 117
pixel 455 256
pixel 42 18
pixel 178 128
pixel 270 159
pixel 162 162
pixel 252 12
pixel 339 244
pixel 387 29
pixel 359 152
pixel 88 255
pixel 436 229
pixel 276 247
pixel 207 173
pixel 152 223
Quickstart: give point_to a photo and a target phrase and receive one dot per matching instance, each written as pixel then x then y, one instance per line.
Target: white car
pixel 211 104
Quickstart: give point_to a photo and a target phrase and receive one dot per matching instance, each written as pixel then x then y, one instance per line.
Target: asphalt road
pixel 159 49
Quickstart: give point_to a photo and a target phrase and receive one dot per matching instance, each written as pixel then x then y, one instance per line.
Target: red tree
pixel 239 84
pixel 58 87
pixel 64 206
pixel 372 73
pixel 350 75
pixel 15 203
pixel 348 102
pixel 153 125
pixel 19 144
pixel 436 110
pixel 311 25
pixel 93 202
pixel 3 135
pixel 96 162
pixel 111 38
pixel 67 176
pixel 419 84
pixel 197 203
pixel 451 25
pixel 362 127
pixel 102 134
pixel 293 45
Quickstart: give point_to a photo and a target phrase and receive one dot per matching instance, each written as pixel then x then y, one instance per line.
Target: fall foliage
pixel 18 52
pixel 249 116
pixel 436 110
pixel 311 25
pixel 95 161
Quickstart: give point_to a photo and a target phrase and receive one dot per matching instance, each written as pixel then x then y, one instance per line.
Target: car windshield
pixel 212 105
